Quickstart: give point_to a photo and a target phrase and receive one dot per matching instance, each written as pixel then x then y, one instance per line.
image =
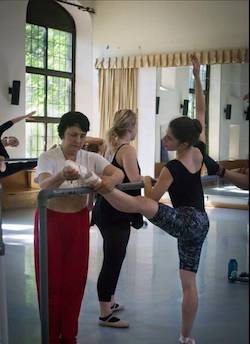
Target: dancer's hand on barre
pixel 149 180
pixel 106 186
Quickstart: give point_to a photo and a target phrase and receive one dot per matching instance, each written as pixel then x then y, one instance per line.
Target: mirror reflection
pixel 225 89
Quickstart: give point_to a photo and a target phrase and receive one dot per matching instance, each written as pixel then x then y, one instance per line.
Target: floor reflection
pixel 148 285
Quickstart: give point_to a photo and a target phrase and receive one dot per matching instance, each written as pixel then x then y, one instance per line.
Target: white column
pixel 146 120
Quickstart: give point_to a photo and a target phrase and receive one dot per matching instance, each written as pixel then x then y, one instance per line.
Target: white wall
pixel 146 119
pixel 12 66
pixel 84 61
pixel 214 111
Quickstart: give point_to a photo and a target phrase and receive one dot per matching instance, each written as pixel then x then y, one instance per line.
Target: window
pixel 50 64
pixel 204 75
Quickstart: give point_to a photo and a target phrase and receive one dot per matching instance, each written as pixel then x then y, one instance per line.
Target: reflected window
pixel 50 72
pixel 234 141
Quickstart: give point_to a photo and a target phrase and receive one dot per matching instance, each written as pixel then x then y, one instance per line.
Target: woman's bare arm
pixel 200 100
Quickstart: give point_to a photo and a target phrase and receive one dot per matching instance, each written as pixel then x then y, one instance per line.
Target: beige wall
pixel 163 26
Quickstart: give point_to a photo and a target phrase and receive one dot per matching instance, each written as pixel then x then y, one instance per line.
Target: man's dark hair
pixel 70 119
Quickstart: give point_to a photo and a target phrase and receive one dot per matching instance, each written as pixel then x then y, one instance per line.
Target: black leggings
pixel 115 241
pixel 15 167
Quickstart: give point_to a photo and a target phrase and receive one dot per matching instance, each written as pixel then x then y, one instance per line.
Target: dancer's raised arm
pixel 20 118
pixel 200 101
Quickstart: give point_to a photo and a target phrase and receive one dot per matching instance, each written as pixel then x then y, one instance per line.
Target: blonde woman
pixel 113 224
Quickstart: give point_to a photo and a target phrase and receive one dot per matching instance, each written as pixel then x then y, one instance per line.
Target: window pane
pixel 35 93
pixel 52 135
pixel 59 96
pixel 35 46
pixel 191 106
pixel 59 50
pixel 35 137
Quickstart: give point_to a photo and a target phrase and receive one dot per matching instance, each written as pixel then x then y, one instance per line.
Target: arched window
pixel 50 72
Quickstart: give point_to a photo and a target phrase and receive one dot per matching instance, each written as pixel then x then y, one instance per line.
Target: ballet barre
pixel 43 197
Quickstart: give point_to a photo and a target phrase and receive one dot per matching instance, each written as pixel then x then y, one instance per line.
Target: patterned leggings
pixel 189 226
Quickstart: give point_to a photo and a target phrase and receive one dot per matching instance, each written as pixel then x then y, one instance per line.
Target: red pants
pixel 68 253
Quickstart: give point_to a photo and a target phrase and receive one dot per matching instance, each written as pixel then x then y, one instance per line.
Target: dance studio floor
pixel 149 286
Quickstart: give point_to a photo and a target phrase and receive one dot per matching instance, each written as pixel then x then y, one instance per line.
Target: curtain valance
pixel 239 55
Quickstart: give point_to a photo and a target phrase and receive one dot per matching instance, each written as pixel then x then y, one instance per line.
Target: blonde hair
pixel 124 120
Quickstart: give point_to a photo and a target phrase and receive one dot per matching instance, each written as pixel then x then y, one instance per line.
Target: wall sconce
pixel 184 107
pixel 246 112
pixel 157 105
pixel 15 92
pixel 228 110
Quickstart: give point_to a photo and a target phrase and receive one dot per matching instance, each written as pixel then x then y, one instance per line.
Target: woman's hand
pixel 106 186
pixel 29 115
pixel 196 66
pixel 70 173
pixel 149 180
pixel 20 118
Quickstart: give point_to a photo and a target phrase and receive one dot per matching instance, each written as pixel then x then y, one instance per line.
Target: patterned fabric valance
pixel 240 55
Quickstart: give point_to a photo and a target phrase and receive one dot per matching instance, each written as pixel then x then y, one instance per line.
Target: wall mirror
pixel 225 88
